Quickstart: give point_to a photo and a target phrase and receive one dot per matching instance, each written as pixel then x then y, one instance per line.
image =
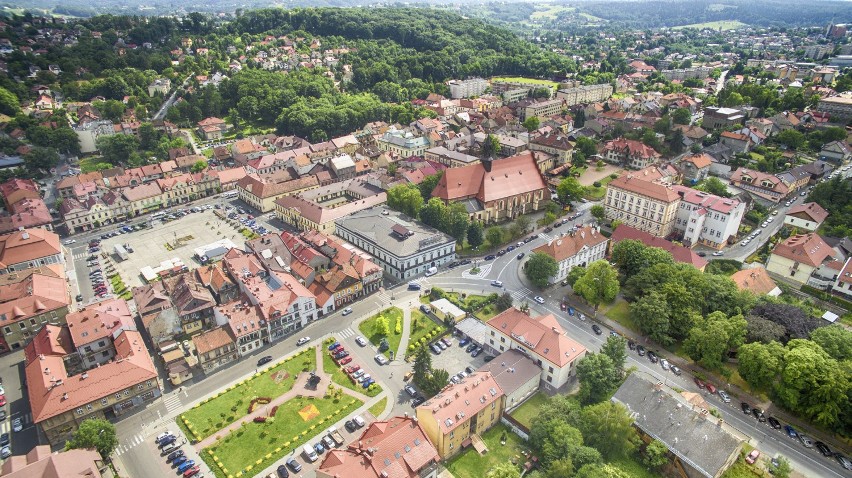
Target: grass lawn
pixel 339 377
pixel 596 194
pixel 529 409
pixel 531 81
pixel 486 312
pixel 208 417
pixel 549 12
pixel 368 329
pixel 88 165
pixel 420 326
pixel 259 444
pixel 633 468
pixel 470 464
pixel 379 407
pixel 723 24
pixel 620 312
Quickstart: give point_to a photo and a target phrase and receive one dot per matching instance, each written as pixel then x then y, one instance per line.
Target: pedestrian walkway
pixel 520 293
pixel 406 330
pixel 132 442
pixel 172 402
pixel 345 333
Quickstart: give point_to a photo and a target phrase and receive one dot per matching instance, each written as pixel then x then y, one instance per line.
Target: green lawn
pixel 632 468
pixel 470 464
pixel 620 312
pixel 368 329
pixel 339 377
pixel 529 409
pixel 214 414
pixel 379 407
pixel 532 81
pixel 420 327
pixel 596 194
pixel 486 312
pixel 256 445
pixel 723 24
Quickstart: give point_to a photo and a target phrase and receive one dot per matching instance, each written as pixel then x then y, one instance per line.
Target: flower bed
pixel 258 401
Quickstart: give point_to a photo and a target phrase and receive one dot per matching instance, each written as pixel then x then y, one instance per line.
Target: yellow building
pixel 460 413
pixel 644 205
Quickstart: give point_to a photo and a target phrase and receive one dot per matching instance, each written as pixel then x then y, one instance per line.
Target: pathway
pixel 302 378
pixel 406 331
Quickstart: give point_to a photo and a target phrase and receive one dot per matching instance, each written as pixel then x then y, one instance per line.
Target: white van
pixel 431 271
pixel 309 453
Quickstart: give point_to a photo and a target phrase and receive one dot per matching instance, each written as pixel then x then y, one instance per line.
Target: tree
pixel 681 116
pixel 601 471
pixel 598 212
pixel 763 330
pixel 457 221
pixel 835 339
pixel 560 468
pixel 713 336
pixel 598 377
pixel 117 148
pixel 94 433
pixel 41 159
pixel 783 469
pixel 406 199
pixel 791 138
pixel 9 103
pixel 199 166
pixel 574 275
pixel 531 124
pixel 656 454
pixel 539 268
pixel 599 284
pixel 503 302
pixel 490 146
pixel 715 186
pixel 494 236
pixel 438 379
pixel 553 438
pixel 435 213
pixel 503 470
pixel 428 185
pixel 523 222
pixel 608 428
pixel 813 384
pixel 65 140
pixel 474 234
pixel 570 189
pixel 615 348
pixel 422 366
pixel 381 327
pixel 651 313
pixel 760 364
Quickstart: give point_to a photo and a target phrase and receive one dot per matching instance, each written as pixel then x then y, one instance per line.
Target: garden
pixel 256 445
pixel 423 329
pixel 470 464
pixel 219 411
pixel 387 324
pixel 528 410
pixel 339 377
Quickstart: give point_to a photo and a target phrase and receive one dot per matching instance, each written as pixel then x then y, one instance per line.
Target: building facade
pixel 580 248
pixel 644 205
pixel 704 218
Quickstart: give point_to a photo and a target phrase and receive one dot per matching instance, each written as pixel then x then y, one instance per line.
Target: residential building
pixel 284 305
pixel 837 152
pixel 397 448
pixel 318 209
pixel 451 159
pixel 629 153
pixel 404 248
pixel 192 301
pixel 799 256
pixel 261 192
pixel 809 216
pixel 497 190
pixel 60 401
pixel 156 311
pixel 542 339
pixel 40 462
pixel 26 214
pixel 681 74
pixel 763 185
pixel 212 129
pixel 646 205
pixel 245 323
pixel 17 189
pixel 696 167
pixel 584 94
pixel 214 277
pixel 543 109
pixel 720 118
pixel 460 413
pixel 402 142
pixel 28 300
pixel 679 253
pixel 704 218
pixel 517 374
pixel 89 132
pixel 215 348
pixel 556 144
pixel 580 248
pixel 839 108
pixel 702 445
pixel 467 88
pixel 738 142
pixel 756 280
pixel 446 311
pixel 28 249
pixel 843 283
pixel 160 86
pixel 92 328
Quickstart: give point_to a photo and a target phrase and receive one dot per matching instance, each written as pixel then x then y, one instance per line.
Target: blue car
pixel 791 432
pixel 333 346
pixel 464 341
pixel 570 311
pixel 179 460
pixel 319 448
pixel 186 465
pixel 367 383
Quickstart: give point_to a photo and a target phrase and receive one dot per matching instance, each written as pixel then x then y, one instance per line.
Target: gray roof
pixel 376 225
pixel 473 328
pixel 697 440
pixel 512 369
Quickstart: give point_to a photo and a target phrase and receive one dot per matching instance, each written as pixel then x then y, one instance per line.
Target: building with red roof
pixel 797 257
pixel 809 216
pixel 629 153
pixel 678 252
pixel 40 462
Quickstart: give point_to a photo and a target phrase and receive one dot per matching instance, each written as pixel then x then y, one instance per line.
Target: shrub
pixel 596 184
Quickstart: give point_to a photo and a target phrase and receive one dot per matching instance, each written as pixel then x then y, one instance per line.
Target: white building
pixel 584 94
pixel 540 338
pixel 704 218
pixel 578 248
pixel 403 247
pixel 467 88
pixel 806 216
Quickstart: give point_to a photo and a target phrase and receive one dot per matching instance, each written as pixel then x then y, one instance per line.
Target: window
pixel 79 411
pixel 104 401
pixel 105 353
pixel 118 396
pixel 89 407
pixel 101 344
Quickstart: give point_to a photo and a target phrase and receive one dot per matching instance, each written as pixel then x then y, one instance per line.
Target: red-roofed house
pixel 495 190
pixel 756 280
pixel 396 448
pixel 40 462
pixel 806 216
pixel 696 167
pixel 213 128
pixel 461 412
pixel 843 283
pixel 646 205
pixel 630 153
pixel 541 338
pixel 797 257
pixel 704 218
pixel 580 248
pixel 28 303
pixel 760 184
pixel 60 401
pixel 93 327
pixel 738 142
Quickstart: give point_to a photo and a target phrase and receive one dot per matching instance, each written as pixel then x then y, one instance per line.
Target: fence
pixel 515 427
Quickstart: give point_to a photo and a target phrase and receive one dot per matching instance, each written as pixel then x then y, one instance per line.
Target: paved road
pixel 171 100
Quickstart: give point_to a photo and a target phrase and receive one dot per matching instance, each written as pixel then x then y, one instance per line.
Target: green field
pixel 339 377
pixel 368 328
pixel 549 12
pixel 620 312
pixel 534 81
pixel 256 445
pixel 379 407
pixel 723 24
pixel 529 409
pixel 208 417
pixel 470 464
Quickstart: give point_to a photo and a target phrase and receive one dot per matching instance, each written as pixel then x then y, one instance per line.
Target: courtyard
pixel 470 464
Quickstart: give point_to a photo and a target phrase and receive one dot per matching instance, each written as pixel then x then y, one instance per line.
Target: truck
pixel 431 271
pixel 310 453
pixel 121 252
pixel 335 435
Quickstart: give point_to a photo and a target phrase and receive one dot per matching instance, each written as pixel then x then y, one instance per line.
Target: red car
pixel 353 368
pixel 339 348
pixel 192 471
pixel 710 388
pixel 563 306
pixel 2 400
pixel 699 383
pixel 344 361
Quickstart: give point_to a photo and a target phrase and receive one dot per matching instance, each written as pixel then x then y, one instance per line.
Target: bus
pixel 157 215
pixel 228 194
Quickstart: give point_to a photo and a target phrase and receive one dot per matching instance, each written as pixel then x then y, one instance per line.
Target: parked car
pixel 724 396
pixel 350 426
pixel 640 349
pixel 347 311
pixel 758 414
pixel 464 341
pixel 791 432
pixel 179 460
pixel 435 349
pixel 191 472
pixel 185 466
pixel 163 435
pixel 676 370
pixel 476 352
pixel 340 355
pixel 652 356
pixel 293 465
pixel 418 400
pixel 303 341
pixel 844 462
pixel 710 387
pixel 699 382
pixel 823 448
pixel 174 456
pixel 410 391
pixel 470 348
pixel 447 341
pixel 282 471
pixel 264 360
pixel 806 441
pixel 774 423
pixel 597 329
pixel 752 457
pixel 746 408
pixel 665 364
pixel 381 359
pixel 334 346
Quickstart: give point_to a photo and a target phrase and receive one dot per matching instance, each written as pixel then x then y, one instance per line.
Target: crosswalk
pixel 383 296
pixel 547 237
pixel 80 255
pixel 345 333
pixel 520 293
pixel 131 442
pixel 6 425
pixel 172 402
